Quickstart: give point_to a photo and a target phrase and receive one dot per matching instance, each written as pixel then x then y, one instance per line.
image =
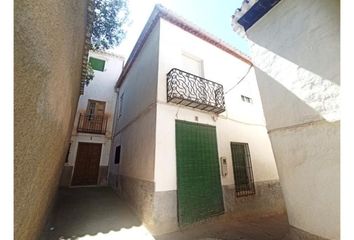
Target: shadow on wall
pixel 92 213
pixel 318 93
pixel 306 33
pixel 282 108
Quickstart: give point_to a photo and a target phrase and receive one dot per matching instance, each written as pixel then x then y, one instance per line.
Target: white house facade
pixel 295 49
pixel 190 140
pixel 88 156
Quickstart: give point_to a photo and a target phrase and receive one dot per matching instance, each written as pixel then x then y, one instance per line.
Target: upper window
pixel 246 99
pixel 97 64
pixel 192 65
pixel 95 108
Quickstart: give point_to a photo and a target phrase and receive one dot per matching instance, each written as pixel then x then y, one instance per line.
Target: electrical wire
pixel 249 69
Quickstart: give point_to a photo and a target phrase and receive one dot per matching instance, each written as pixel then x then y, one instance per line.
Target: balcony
pixel 195 92
pixel 92 124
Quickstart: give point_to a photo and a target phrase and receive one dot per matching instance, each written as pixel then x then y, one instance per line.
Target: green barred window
pixel 242 166
pixel 97 64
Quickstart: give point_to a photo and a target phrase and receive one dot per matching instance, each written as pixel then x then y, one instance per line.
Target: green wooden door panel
pixel 198 175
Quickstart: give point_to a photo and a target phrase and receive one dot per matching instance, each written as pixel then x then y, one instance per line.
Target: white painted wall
pixel 295 48
pixel 308 164
pixel 242 122
pixel 101 88
pixel 303 58
pixel 89 138
pixel 135 129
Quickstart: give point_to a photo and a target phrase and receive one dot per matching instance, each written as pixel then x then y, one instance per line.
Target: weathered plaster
pixel 135 128
pixel 140 196
pixel 49 44
pixel 268 200
pixel 295 48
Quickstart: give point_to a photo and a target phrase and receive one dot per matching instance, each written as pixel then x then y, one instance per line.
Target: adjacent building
pixel 189 140
pixel 87 158
pixel 295 48
pixel 49 57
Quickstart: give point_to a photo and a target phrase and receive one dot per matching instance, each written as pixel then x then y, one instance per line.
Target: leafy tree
pixel 109 20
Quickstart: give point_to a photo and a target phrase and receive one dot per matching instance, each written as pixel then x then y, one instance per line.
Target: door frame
pixel 74 164
pixel 217 169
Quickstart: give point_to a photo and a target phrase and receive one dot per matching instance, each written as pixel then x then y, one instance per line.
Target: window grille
pixel 242 166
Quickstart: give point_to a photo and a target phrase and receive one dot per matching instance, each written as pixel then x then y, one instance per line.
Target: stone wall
pixel 140 195
pixel 159 210
pixel 49 45
pixel 268 200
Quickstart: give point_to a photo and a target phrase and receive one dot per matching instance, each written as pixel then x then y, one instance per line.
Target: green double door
pixel 199 190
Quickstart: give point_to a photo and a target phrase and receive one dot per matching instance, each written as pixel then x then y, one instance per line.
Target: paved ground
pixel 98 213
pixel 267 228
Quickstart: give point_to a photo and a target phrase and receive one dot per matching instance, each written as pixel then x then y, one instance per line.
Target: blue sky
pixel 214 16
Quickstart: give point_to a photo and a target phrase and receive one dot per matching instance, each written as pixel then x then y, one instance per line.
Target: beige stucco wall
pixel 49 44
pixel 135 128
pixel 295 48
pixel 241 122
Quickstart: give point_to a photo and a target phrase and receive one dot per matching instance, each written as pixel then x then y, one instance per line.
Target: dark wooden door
pixel 87 164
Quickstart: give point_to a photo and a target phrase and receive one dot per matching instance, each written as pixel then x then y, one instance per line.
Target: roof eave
pixel 161 12
pixel 250 12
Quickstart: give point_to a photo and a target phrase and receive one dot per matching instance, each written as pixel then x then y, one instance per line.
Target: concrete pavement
pixel 97 213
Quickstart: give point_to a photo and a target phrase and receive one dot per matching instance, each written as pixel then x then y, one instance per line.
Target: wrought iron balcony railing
pixel 92 124
pixel 193 91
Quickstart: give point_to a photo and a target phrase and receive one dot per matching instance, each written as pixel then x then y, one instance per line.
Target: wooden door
pixel 199 193
pixel 87 164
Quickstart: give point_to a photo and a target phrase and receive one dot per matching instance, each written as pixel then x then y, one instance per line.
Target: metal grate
pixel 92 123
pixel 194 91
pixel 242 166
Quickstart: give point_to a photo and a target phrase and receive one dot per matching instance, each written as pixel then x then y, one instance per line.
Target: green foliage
pixel 110 18
pixel 90 74
pixel 109 21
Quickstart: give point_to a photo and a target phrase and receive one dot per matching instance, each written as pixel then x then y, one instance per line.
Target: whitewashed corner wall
pixel 135 128
pixel 295 48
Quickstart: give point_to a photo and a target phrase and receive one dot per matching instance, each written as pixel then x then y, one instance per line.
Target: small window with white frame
pixel 246 99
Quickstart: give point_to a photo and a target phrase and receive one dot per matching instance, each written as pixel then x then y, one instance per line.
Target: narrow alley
pixel 98 213
pixel 176 120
